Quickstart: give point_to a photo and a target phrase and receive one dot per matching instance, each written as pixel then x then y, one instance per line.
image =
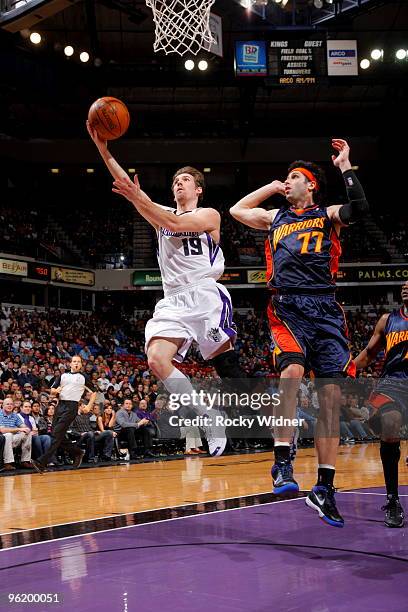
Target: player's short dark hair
pixel 197 176
pixel 318 172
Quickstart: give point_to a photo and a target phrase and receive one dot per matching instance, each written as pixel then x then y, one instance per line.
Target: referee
pixel 70 386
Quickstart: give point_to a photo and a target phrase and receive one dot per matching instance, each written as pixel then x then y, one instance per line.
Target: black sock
pixel 232 375
pixel 325 477
pixel 390 456
pixel 282 453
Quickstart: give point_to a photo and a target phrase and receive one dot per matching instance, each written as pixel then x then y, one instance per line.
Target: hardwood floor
pixel 34 500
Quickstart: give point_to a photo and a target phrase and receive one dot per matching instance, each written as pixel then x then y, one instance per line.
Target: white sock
pixel 277 443
pixel 177 383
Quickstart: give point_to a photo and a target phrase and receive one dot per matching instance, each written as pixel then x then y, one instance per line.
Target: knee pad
pixel 283 360
pixel 382 420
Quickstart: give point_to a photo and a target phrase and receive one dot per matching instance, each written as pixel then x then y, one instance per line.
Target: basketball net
pixel 181 26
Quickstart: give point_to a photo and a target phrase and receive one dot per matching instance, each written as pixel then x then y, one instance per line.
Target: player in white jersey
pixel 195 306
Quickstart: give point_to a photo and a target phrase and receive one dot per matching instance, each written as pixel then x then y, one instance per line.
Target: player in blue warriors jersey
pixel 307 324
pixel 389 401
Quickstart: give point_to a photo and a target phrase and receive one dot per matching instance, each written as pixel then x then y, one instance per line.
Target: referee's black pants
pixel 65 413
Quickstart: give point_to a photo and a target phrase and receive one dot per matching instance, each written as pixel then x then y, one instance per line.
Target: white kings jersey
pixel 186 258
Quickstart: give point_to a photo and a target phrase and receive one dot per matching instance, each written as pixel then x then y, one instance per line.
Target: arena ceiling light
pixel 377 54
pixel 35 38
pixel 318 4
pixel 90 171
pixel 364 64
pixel 84 57
pixel 202 65
pixel 132 170
pixel 54 170
pixel 189 64
pixel 401 54
pixel 69 50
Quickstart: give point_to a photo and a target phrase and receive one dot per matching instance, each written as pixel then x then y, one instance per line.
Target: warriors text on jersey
pixel 186 258
pixel 302 250
pixel 396 348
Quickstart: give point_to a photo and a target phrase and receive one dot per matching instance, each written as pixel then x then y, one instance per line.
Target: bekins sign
pixel 11 266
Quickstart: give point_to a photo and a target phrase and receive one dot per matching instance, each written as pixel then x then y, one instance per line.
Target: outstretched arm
pixel 374 346
pixel 245 211
pixel 357 206
pixel 114 168
pixel 204 220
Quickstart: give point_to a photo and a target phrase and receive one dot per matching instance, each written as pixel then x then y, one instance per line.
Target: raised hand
pixel 127 189
pixel 95 136
pixel 343 150
pixel 131 191
pixel 279 187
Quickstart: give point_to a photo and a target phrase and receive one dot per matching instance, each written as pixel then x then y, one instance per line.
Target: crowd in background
pixel 36 348
pixel 103 233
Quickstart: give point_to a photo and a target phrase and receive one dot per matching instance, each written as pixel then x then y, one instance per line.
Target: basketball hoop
pixel 181 26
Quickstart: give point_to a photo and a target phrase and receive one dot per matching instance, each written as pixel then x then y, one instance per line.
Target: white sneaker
pixel 216 440
pixel 216 446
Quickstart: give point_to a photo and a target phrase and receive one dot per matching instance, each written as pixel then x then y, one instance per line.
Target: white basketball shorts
pixel 201 312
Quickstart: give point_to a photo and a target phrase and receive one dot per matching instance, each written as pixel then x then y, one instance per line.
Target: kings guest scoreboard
pixel 297 61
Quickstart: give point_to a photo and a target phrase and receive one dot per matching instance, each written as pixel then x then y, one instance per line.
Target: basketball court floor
pixel 199 534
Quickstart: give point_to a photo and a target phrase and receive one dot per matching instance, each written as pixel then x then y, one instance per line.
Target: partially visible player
pixel 195 306
pixel 307 324
pixel 389 401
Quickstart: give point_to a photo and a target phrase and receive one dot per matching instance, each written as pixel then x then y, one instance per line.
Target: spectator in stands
pixel 193 440
pixel 103 382
pixel 106 422
pixel 4 390
pixel 355 418
pixel 24 376
pixel 104 439
pixel 130 428
pixel 144 411
pixel 85 353
pixel 7 373
pixel 81 428
pixel 304 412
pixel 41 440
pixel 16 434
pixel 153 392
pixel 139 392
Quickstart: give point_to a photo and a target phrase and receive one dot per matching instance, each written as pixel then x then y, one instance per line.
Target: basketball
pixel 109 117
